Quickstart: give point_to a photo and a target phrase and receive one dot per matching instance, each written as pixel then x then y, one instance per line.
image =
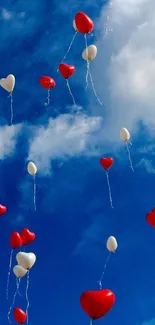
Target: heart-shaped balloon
pixel 150 218
pixel 26 260
pixel 83 23
pixel 19 315
pixel 27 236
pixel 3 209
pixel 8 83
pixel 47 82
pixel 66 70
pixel 96 304
pixel 106 163
pixel 19 271
pixel 15 240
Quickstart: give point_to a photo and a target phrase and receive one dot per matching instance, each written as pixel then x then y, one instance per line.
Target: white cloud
pixel 127 58
pixel 65 136
pixel 7 15
pixel 8 139
pixel 151 322
pixel 148 165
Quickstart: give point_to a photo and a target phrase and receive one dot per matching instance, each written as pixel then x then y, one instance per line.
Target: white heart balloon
pixel 112 244
pixel 8 83
pixel 19 271
pixel 26 260
pixel 32 168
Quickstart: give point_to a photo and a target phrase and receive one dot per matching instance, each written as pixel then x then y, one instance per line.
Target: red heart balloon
pixel 15 240
pixel 27 236
pixel 83 23
pixel 150 218
pixel 96 304
pixel 47 82
pixel 106 163
pixel 66 70
pixel 3 209
pixel 19 315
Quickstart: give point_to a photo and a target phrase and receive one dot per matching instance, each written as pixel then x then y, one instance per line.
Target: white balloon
pixel 112 244
pixel 74 25
pixel 32 168
pixel 124 134
pixel 8 83
pixel 26 260
pixel 19 271
pixel 89 53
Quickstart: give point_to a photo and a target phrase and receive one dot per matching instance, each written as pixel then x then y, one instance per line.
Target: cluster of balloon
pixel 106 163
pixel 8 84
pixel 125 136
pixel 97 304
pixel 84 25
pixel 67 71
pixel 25 262
pixel 111 247
pixel 48 83
pixel 32 170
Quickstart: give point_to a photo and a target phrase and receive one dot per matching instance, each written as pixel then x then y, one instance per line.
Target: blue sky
pixel 74 218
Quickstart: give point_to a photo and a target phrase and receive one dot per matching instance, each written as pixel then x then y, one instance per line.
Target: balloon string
pixel 18 284
pixel 107 30
pixel 91 322
pixel 129 156
pixel 110 196
pixel 70 46
pixel 8 278
pixel 13 301
pixel 104 269
pixel 11 107
pixel 93 87
pixel 48 98
pixel 70 92
pixel 27 299
pixel 34 192
pixel 88 64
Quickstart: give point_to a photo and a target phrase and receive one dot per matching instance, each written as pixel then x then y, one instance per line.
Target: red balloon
pixel 150 218
pixel 27 236
pixel 83 23
pixel 47 82
pixel 19 315
pixel 106 163
pixel 15 240
pixel 66 70
pixel 3 209
pixel 97 304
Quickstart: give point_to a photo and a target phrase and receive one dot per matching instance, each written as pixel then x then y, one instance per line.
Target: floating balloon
pixel 83 23
pixel 15 242
pixel 125 136
pixel 26 260
pixel 3 209
pixel 112 244
pixel 32 170
pixel 150 218
pixel 106 163
pixel 19 271
pixel 8 84
pixel 97 304
pixel 27 236
pixel 48 83
pixel 67 71
pixel 19 315
pixel 89 53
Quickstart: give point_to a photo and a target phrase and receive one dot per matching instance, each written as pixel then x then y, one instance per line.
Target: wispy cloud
pixel 130 71
pixel 65 136
pixel 8 137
